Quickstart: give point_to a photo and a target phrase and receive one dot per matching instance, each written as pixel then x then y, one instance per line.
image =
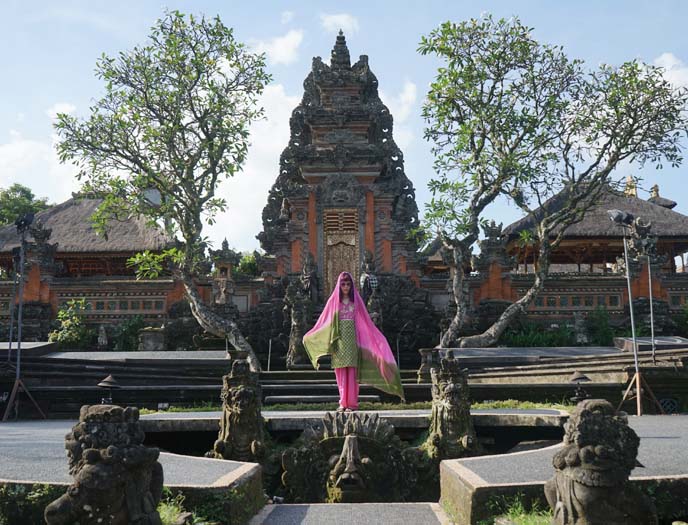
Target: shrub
pixel 126 336
pixel 682 321
pixel 25 504
pixel 599 330
pixel 72 330
pixel 528 335
pixel 248 265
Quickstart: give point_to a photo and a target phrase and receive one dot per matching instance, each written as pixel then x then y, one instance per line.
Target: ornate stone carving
pixel 368 280
pixel 241 425
pixel 429 359
pixel 310 283
pixel 492 249
pixel 349 458
pixel 451 433
pixel 102 337
pixel 298 308
pixel 41 252
pixel 340 132
pixel 117 480
pixel 590 484
pixel 642 248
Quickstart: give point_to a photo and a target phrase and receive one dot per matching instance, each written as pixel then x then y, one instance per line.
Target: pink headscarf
pixel 377 365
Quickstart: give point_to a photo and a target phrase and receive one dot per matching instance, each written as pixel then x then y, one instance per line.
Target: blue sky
pixel 48 51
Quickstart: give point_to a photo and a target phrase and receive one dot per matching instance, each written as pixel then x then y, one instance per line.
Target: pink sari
pixel 377 366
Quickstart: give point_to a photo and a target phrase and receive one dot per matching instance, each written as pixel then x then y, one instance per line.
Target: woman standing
pixel 360 353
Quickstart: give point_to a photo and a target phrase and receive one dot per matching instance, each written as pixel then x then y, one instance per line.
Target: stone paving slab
pixel 34 451
pixel 467 485
pixel 353 513
pixel 141 356
pixel 663 452
pixel 559 351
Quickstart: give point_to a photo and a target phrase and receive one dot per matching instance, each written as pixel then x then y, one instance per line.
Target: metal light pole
pixel 22 224
pixel 624 220
pixel 12 297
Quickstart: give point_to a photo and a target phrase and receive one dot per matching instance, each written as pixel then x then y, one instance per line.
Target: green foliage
pixel 170 507
pixel 72 331
pixel 518 510
pixel 21 504
pixel 248 265
pixel 227 508
pixel 529 335
pixel 150 265
pixel 18 200
pixel 173 122
pixel 511 117
pixel 126 336
pixel 366 405
pixel 682 321
pixel 599 330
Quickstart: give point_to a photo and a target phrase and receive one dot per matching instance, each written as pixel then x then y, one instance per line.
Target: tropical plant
pixel 72 330
pixel 173 123
pixel 18 200
pixel 511 117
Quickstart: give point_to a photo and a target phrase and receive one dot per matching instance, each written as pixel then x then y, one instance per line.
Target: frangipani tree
pixel 173 123
pixel 511 117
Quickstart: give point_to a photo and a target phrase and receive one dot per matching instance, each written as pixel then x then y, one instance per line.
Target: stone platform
pixel 33 452
pixel 467 484
pixel 291 420
pixel 358 513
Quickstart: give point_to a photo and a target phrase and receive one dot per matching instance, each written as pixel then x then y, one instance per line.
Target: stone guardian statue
pixel 117 480
pixel 590 484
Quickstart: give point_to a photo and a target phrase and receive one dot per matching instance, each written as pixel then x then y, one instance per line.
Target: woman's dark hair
pixel 351 289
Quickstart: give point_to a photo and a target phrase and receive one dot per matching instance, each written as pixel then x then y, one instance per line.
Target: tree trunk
pixel 215 324
pixel 492 334
pixel 460 298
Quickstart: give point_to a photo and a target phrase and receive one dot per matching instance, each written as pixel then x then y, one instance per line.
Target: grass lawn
pixel 503 404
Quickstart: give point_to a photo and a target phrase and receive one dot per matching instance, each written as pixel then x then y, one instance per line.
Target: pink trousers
pixel 348 387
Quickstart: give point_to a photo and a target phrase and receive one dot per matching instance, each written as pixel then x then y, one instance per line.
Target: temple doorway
pixel 341 245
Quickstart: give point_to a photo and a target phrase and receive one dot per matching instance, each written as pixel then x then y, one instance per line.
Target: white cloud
pixel 676 70
pixel 343 21
pixel 34 163
pixel 401 107
pixel 281 49
pixel 59 107
pixel 287 16
pixel 247 192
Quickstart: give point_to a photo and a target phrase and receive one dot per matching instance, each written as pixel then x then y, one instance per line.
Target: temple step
pixel 269 400
pixel 369 513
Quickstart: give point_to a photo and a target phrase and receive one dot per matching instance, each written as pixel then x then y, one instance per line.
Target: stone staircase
pixel 359 513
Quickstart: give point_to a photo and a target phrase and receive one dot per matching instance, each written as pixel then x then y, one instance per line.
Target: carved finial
pixel 654 191
pixel 631 189
pixel 340 53
pixel 225 245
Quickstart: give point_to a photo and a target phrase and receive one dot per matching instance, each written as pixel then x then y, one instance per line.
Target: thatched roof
pixel 596 223
pixel 73 231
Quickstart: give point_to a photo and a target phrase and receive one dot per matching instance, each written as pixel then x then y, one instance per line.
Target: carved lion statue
pixel 590 484
pixel 117 480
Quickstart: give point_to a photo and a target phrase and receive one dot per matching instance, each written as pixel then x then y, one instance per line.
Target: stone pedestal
pixel 151 340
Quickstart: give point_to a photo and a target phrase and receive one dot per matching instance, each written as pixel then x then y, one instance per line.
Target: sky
pixel 48 52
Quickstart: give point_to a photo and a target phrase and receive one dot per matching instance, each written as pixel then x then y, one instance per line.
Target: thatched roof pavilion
pixel 80 246
pixel 597 240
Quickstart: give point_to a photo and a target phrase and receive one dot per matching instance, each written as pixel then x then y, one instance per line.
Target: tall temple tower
pixel 341 189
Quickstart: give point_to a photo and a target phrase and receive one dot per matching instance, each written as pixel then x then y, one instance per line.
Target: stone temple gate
pixel 341 190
